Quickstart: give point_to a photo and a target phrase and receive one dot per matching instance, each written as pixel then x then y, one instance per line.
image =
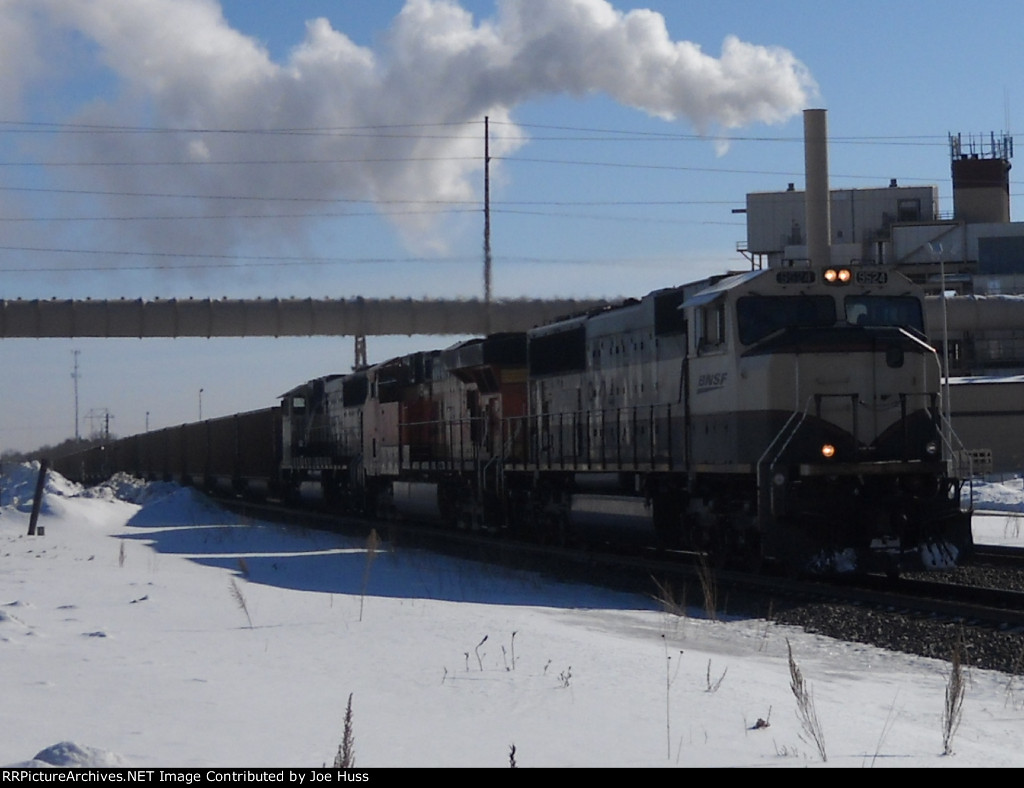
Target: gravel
pixel 983 647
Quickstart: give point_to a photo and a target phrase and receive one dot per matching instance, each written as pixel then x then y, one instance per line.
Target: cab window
pixel 711 326
pixel 901 311
pixel 760 316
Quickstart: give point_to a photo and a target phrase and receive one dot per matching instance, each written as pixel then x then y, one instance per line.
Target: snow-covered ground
pixel 149 628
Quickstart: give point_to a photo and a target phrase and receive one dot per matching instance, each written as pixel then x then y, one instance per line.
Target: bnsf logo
pixel 711 380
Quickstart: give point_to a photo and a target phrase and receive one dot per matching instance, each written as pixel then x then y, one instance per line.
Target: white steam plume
pixel 177 64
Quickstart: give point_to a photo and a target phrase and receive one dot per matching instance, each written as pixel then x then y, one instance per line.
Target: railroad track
pixel 999 555
pixel 638 570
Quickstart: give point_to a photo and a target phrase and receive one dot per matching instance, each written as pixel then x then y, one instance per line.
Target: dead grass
pixel 805 710
pixel 372 546
pixel 952 710
pixel 346 755
pixel 239 598
pixel 709 588
pixel 671 602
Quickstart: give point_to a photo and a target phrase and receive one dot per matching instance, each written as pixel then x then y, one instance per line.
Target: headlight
pixel 931 448
pixel 838 276
pixel 828 451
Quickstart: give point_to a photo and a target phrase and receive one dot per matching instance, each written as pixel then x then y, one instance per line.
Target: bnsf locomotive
pixel 785 413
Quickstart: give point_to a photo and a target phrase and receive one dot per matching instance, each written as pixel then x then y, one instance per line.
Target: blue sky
pixel 621 142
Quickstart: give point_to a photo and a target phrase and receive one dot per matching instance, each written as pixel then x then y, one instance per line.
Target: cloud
pixel 20 59
pixel 397 126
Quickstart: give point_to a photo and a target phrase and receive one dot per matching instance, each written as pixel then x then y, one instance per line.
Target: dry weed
pixel 954 705
pixel 805 710
pixel 346 755
pixel 236 592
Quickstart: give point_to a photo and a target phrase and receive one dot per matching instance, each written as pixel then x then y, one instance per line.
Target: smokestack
pixel 981 179
pixel 816 196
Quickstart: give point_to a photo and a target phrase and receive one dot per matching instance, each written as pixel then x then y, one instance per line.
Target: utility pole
pixel 487 220
pixel 75 376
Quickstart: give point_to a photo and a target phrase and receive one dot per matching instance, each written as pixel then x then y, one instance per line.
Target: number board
pixel 801 276
pixel 870 277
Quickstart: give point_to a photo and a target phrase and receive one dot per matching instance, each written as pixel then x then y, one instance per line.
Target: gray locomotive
pixel 792 413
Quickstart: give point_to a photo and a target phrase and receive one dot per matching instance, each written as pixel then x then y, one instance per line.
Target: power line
pixel 452 131
pixel 376 130
pixel 416 131
pixel 240 162
pixel 503 206
pixel 229 197
pixel 231 261
pixel 254 259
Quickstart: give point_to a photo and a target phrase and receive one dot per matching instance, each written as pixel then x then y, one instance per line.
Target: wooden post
pixel 37 501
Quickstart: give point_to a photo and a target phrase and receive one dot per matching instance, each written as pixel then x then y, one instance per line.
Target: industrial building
pixel 971 260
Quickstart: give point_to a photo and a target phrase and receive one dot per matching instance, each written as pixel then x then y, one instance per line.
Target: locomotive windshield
pixel 901 311
pixel 759 316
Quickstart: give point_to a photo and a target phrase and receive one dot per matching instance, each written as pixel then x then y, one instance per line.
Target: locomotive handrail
pixel 946 435
pixel 957 458
pixel 563 440
pixel 802 415
pixel 763 476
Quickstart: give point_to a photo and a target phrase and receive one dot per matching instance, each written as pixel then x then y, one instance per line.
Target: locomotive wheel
pixel 720 550
pixel 384 508
pixel 465 516
pixel 562 530
pixel 791 547
pixel 555 529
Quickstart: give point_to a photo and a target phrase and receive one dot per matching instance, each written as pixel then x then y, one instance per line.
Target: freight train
pixel 792 414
